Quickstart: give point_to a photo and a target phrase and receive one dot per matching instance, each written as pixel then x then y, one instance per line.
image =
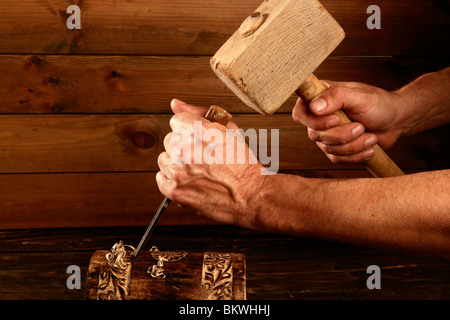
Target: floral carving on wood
pixel 114 284
pixel 157 270
pixel 217 276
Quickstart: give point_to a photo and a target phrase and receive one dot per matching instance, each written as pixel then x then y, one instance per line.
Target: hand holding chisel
pixel 214 114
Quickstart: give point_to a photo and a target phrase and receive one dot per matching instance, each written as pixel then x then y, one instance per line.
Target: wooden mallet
pixel 274 54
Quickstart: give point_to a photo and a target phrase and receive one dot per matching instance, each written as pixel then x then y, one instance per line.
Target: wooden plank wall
pixel 83 112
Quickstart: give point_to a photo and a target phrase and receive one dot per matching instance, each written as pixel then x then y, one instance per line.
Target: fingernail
pixel 333 122
pixel 368 154
pixel 318 105
pixel 371 141
pixel 357 131
pixel 326 84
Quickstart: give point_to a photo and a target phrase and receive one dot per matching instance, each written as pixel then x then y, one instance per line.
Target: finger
pixel 165 185
pixel 358 145
pixel 176 146
pixel 337 135
pixel 179 106
pixel 169 188
pixel 166 142
pixel 163 182
pixel 335 98
pixel 354 158
pixel 166 165
pixel 174 139
pixel 303 115
pixel 183 122
pixel 170 174
pixel 345 84
pixel 162 161
pixel 232 125
pixel 170 146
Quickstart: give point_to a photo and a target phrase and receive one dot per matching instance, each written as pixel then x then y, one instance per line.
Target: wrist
pixel 424 103
pixel 288 204
pixel 402 118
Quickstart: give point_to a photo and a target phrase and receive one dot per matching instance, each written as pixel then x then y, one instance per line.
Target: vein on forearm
pixel 410 213
pixel 425 103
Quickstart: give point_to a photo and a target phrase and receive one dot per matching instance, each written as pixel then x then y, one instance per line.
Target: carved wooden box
pixel 167 275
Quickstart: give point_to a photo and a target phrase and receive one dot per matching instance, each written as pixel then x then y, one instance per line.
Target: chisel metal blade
pixel 151 227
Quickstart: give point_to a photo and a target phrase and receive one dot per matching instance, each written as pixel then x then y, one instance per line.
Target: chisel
pixel 214 114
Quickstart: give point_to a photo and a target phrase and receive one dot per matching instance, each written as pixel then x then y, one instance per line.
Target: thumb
pixel 336 97
pixel 178 106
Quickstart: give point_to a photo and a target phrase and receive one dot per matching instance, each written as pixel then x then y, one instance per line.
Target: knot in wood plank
pixel 143 139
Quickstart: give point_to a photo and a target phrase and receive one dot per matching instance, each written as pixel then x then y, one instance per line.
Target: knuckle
pixel 336 91
pixel 177 116
pixel 336 96
pixel 329 149
pixel 334 159
pixel 314 135
pixel 178 176
pixel 167 139
pixel 315 125
pixel 176 194
pixel 169 187
pixel 173 194
pixel 160 159
pixel 298 116
pixel 172 121
pixel 176 120
pixel 159 178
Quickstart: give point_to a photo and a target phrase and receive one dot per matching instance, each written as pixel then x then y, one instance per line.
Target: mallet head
pixel 276 48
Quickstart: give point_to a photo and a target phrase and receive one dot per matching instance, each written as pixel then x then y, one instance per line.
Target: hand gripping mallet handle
pixel 380 165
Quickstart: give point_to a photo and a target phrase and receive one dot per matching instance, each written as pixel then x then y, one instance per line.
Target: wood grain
pixel 130 143
pixel 84 112
pixel 82 143
pixel 101 199
pixel 97 200
pixel 191 27
pixel 33 264
pixel 146 84
pixel 75 200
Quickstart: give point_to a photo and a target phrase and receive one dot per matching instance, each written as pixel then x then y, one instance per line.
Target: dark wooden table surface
pixel 33 263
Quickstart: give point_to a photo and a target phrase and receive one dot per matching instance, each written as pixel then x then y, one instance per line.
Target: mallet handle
pixel 380 165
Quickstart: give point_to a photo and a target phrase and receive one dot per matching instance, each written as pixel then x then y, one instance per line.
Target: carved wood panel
pixel 166 275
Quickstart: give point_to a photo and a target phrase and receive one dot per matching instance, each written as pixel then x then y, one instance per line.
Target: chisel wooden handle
pixel 217 114
pixel 380 165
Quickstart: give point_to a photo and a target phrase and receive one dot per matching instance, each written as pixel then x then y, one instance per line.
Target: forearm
pixel 410 213
pixel 424 103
